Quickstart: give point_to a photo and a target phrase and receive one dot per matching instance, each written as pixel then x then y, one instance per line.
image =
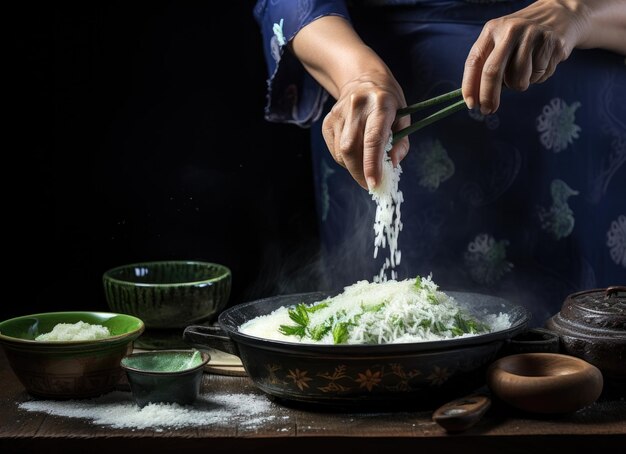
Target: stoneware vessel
pixel 592 326
pixel 168 296
pixel 165 376
pixel 68 369
pixel 534 340
pixel 355 375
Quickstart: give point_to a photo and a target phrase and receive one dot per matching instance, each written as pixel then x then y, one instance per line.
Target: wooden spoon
pixel 463 413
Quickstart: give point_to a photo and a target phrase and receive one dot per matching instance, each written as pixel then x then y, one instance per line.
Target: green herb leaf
pixel 374 307
pixel 460 323
pixel 469 325
pixel 477 327
pixel 317 307
pixel 418 283
pixel 289 330
pixel 319 331
pixel 340 333
pixel 456 331
pixel 439 327
pixel 398 322
pixel 299 315
pixel 432 299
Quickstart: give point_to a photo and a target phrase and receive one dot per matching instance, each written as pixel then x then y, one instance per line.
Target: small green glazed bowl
pixel 68 369
pixel 168 294
pixel 165 376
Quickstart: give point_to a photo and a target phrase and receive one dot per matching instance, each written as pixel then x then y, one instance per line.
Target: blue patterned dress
pixel 528 203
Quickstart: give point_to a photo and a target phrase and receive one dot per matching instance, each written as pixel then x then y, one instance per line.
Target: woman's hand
pixel 357 128
pixel 522 48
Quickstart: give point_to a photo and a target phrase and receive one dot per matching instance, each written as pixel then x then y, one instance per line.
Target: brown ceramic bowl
pixel 68 369
pixel 545 382
pixel 592 326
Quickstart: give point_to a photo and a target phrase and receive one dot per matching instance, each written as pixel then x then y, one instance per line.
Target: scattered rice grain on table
pixel 118 411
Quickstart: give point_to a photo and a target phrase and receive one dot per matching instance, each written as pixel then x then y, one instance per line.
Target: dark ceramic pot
pixel 592 326
pixel 168 294
pixel 353 374
pixel 534 340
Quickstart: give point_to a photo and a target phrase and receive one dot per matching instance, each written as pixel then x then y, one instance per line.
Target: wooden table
pixel 292 429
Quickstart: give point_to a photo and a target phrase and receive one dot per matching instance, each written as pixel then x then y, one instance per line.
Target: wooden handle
pixel 610 291
pixel 201 337
pixel 463 413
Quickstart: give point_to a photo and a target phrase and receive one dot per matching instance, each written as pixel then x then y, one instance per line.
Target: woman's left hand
pixel 521 49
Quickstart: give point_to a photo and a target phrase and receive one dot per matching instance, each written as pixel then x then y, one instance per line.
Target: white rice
pixel 401 311
pixel 79 331
pixel 387 223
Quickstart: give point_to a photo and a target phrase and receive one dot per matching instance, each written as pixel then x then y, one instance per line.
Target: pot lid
pixel 597 308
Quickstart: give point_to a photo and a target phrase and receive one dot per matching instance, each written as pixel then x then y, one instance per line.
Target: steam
pixel 310 266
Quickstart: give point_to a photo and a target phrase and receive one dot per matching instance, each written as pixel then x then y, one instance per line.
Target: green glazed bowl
pixel 168 294
pixel 165 376
pixel 68 369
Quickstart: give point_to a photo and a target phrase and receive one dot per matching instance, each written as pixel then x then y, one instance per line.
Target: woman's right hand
pixel 358 126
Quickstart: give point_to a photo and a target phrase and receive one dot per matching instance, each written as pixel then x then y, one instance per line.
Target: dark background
pixel 145 140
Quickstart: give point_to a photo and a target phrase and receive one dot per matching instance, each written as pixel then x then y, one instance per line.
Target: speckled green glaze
pixel 164 361
pixel 68 369
pixel 165 376
pixel 168 294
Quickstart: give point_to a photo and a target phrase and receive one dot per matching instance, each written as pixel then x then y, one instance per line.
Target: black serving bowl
pixel 352 374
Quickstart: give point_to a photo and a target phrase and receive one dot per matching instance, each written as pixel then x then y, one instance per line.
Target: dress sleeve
pixel 293 96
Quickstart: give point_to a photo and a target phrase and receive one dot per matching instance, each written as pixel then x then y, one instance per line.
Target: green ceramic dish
pixel 68 369
pixel 165 376
pixel 168 294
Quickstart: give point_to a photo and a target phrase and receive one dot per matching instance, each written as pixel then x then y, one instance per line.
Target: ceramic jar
pixel 592 326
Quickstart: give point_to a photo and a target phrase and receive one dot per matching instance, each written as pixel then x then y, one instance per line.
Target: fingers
pixel 519 49
pixel 474 67
pixel 375 137
pixel 541 60
pixel 357 129
pixel 330 129
pixel 506 42
pixel 358 141
pixel 556 55
pixel 350 145
pixel 520 68
pixel 491 81
pixel 401 148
